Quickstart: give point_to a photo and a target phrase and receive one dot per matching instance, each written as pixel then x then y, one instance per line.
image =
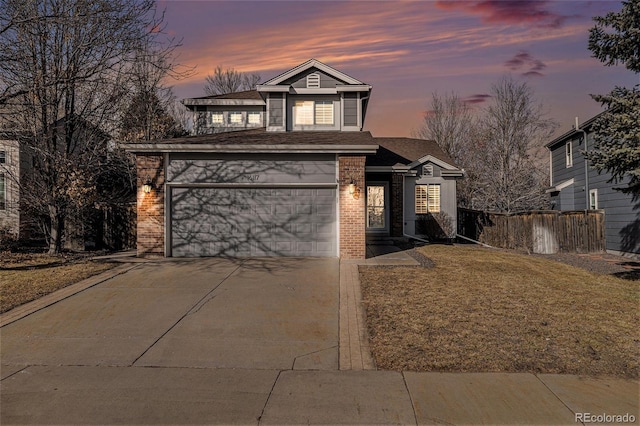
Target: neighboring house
pixel 10 170
pixel 300 179
pixel 88 228
pixel 575 185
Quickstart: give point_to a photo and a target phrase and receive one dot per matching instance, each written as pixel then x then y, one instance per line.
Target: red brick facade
pixel 150 205
pixel 352 210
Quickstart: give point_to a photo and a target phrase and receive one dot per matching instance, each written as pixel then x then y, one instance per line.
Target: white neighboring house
pixel 9 187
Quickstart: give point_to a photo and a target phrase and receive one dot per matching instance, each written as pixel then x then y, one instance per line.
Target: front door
pixel 377 211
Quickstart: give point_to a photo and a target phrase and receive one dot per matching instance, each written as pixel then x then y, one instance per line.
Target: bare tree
pixel 450 122
pixel 229 80
pixel 511 167
pixel 67 68
pixel 500 148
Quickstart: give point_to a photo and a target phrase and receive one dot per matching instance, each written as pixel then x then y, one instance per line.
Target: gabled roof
pixel 261 141
pixel 573 132
pixel 310 64
pixel 407 151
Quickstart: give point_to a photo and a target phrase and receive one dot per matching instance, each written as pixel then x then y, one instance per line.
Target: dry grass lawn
pixel 482 310
pixel 26 277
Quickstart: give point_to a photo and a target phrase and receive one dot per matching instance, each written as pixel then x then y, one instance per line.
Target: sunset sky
pixel 406 49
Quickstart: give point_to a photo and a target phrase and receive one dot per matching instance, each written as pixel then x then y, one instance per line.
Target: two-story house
pixel 287 170
pixel 575 185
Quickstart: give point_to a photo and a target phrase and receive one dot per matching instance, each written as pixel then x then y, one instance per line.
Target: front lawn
pixel 484 310
pixel 26 277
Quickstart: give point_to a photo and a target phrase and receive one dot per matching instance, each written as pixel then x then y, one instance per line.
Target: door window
pixel 375 207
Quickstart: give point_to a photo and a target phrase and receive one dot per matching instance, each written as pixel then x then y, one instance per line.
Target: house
pixel 10 169
pixel 89 226
pixel 287 170
pixel 575 185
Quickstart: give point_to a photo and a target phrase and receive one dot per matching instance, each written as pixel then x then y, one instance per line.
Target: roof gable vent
pixel 427 170
pixel 313 81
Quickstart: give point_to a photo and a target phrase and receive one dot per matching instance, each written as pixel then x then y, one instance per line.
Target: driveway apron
pixel 255 313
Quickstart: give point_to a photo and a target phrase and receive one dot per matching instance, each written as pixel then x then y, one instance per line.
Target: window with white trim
pixel 308 113
pixel 427 198
pixel 568 152
pixel 3 193
pixel 313 81
pixel 593 199
pixel 217 118
pixel 235 117
pixel 324 112
pixel 304 113
pixel 254 118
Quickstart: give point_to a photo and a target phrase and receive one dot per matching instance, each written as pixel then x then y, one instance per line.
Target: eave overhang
pixel 222 102
pixel 559 187
pixel 249 148
pixel 265 88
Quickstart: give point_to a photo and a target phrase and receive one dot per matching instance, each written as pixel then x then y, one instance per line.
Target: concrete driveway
pixel 214 341
pixel 257 313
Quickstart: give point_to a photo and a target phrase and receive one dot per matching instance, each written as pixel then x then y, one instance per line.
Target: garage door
pixel 245 222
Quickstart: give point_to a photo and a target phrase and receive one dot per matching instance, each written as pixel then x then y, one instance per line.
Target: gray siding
pixel 350 109
pixel 448 202
pixel 326 81
pixel 275 112
pixel 622 215
pixel 251 168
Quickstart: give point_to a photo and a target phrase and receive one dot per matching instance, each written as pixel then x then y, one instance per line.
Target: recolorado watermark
pixel 605 418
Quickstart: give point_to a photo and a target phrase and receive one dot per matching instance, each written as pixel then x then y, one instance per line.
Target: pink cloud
pixel 532 12
pixel 476 99
pixel 524 60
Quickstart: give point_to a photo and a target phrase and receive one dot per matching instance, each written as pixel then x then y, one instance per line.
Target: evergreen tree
pixel 616 39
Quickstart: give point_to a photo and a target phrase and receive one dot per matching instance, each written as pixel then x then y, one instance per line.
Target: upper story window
pixel 217 118
pixel 254 118
pixel 324 112
pixel 304 113
pixel 313 81
pixel 427 199
pixel 235 117
pixel 3 157
pixel 308 113
pixel 568 153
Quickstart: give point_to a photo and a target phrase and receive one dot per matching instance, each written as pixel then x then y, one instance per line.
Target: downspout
pixel 586 166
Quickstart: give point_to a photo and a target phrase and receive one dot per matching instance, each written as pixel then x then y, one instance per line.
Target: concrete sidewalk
pixel 69 379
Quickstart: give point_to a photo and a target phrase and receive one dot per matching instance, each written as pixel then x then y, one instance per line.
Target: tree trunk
pixel 57 230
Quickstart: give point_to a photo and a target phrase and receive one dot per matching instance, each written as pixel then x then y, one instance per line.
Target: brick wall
pixel 150 207
pixel 397 196
pixel 352 211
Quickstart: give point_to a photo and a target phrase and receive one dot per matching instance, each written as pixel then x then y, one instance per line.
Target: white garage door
pixel 243 222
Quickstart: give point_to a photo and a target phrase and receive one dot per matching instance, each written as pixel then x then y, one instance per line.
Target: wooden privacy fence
pixel 543 232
